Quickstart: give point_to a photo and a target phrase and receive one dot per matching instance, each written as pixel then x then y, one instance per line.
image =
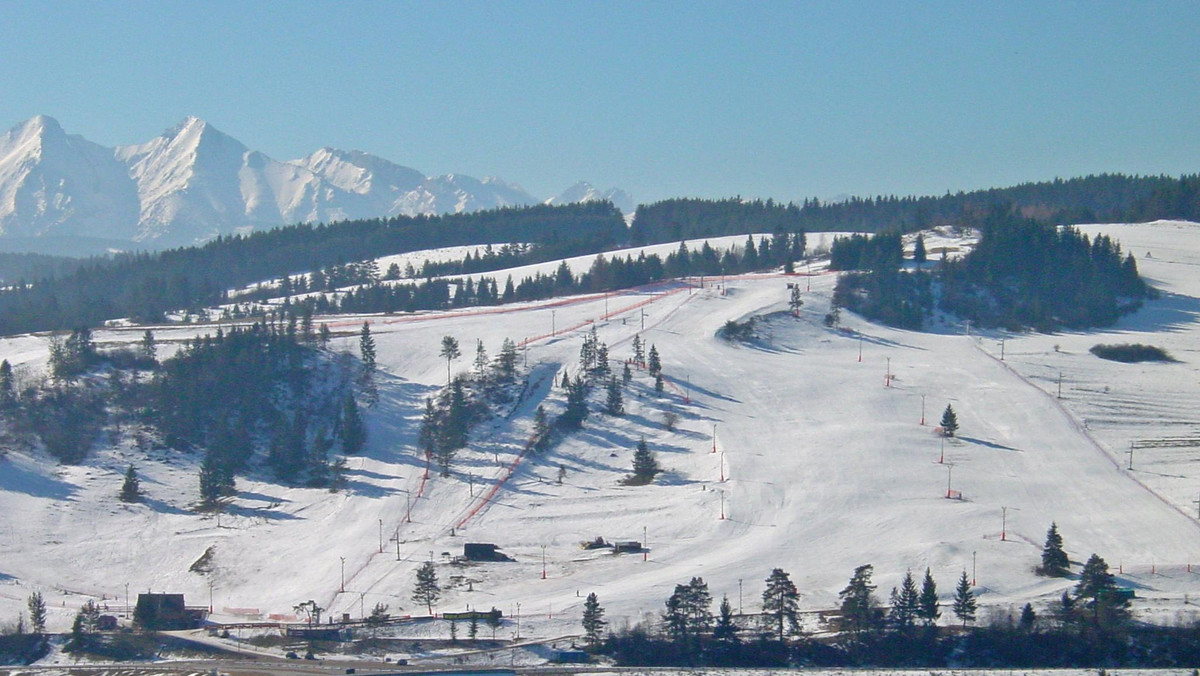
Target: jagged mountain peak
pixel 193 182
pixel 584 191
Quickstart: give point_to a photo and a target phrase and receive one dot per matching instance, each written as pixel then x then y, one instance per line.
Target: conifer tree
pixel 725 630
pixel 147 349
pixel 928 609
pixel 481 359
pixel 1054 559
pixel 658 382
pixel 1098 587
pixel 919 255
pixel 593 621
pixel 964 600
pixel 860 609
pixel 614 404
pixel 780 604
pixel 426 591
pixel 654 365
pixel 626 374
pixel 688 615
pixel 1065 611
pixel 541 429
pixel 366 347
pixel 354 430
pixel 601 367
pixel 428 435
pixel 449 352
pixel 131 490
pixel 645 466
pixel 8 389
pixel 216 481
pixel 639 351
pixel 906 604
pixel 37 612
pixel 324 335
pixel 576 410
pixel 1028 618
pixel 949 421
pixel 506 361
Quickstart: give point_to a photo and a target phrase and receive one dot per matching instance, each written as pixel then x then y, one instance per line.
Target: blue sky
pixel 769 99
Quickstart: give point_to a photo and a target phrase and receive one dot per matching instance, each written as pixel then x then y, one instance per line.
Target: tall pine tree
pixel 964 600
pixel 1054 559
pixel 780 604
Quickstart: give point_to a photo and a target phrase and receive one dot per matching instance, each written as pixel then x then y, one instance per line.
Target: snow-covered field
pixel 818 468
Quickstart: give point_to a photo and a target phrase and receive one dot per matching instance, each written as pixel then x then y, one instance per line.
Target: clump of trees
pixel 1131 353
pixel 1022 274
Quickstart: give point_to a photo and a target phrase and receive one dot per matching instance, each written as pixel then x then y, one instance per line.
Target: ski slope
pixel 791 451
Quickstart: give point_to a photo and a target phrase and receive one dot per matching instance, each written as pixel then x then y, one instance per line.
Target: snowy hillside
pixel 790 452
pixel 193 182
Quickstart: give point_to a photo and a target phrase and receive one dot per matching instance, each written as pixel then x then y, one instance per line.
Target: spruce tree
pixel 216 481
pixel 906 603
pixel 639 351
pixel 354 430
pixel 919 255
pixel 366 347
pixel 780 604
pixel 426 592
pixel 147 349
pixel 615 403
pixel 725 630
pixel 8 389
pixel 541 429
pixel 131 490
pixel 658 382
pixel 1054 559
pixel 949 421
pixel 654 365
pixel 1028 618
pixel 601 367
pixel 37 612
pixel 645 466
pixel 964 600
pixel 593 621
pixel 576 410
pixel 928 606
pixel 626 374
pixel 506 361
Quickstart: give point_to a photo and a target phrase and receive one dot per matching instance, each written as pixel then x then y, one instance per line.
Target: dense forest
pixel 1092 199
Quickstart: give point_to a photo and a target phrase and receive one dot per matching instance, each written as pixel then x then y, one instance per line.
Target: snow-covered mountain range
pixel 60 192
